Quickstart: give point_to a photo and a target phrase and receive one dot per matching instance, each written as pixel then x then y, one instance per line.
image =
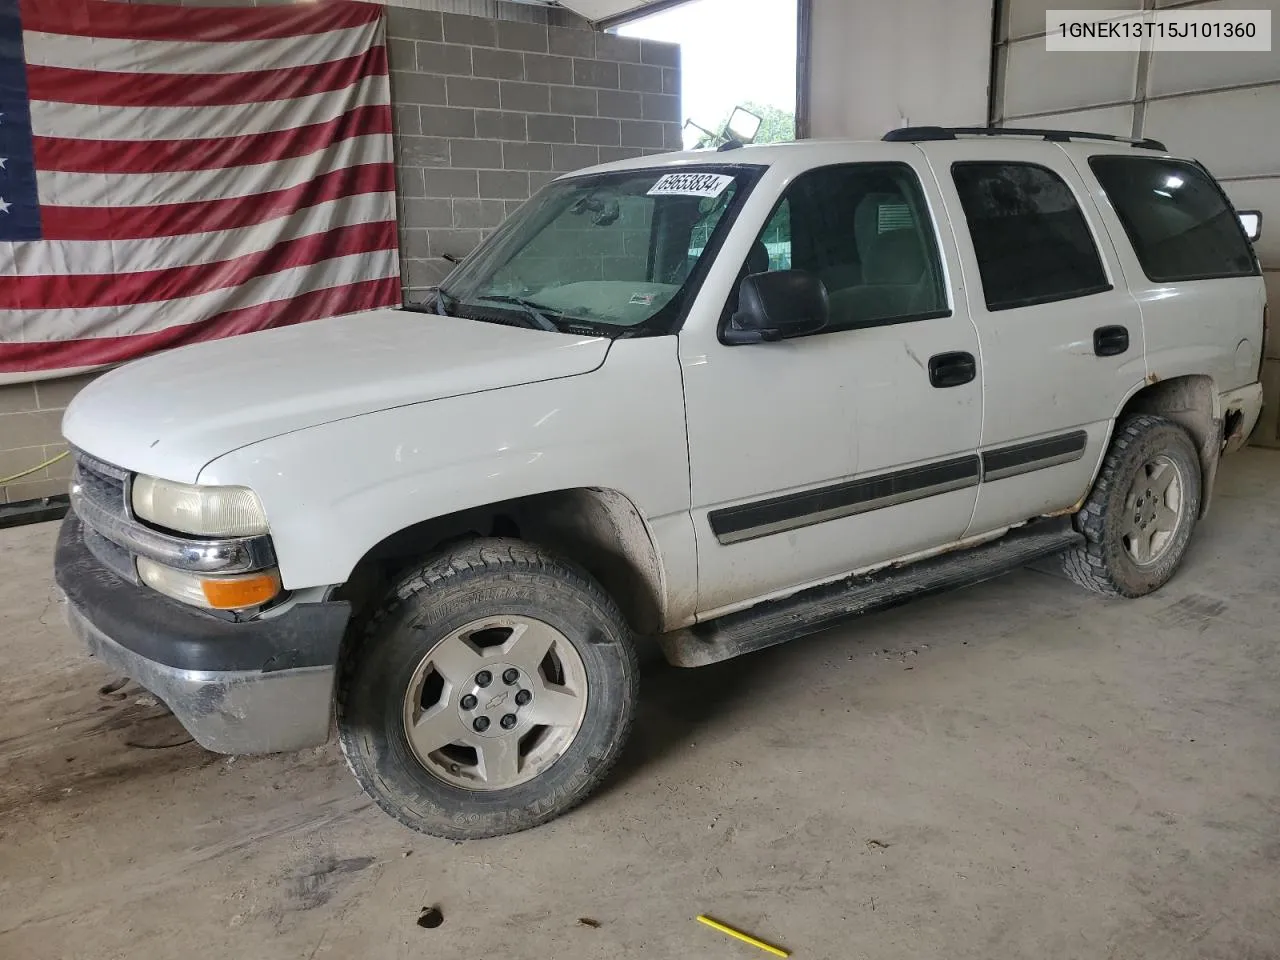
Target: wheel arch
pixel 1193 403
pixel 600 529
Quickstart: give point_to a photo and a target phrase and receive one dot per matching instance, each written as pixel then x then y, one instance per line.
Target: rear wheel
pixel 492 692
pixel 1141 512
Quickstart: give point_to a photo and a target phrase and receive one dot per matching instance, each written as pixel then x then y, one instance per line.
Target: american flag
pixel 176 174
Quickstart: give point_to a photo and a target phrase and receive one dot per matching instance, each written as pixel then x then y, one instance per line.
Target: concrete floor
pixel 1017 770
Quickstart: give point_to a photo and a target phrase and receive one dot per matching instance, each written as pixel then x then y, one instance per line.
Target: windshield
pixel 611 253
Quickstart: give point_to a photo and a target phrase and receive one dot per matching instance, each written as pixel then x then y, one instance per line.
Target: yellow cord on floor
pixel 744 937
pixel 39 466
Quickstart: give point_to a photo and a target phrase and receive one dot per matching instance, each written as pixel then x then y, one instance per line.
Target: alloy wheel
pixel 495 702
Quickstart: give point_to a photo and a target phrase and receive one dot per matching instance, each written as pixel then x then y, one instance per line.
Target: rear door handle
pixel 1110 341
pixel 952 369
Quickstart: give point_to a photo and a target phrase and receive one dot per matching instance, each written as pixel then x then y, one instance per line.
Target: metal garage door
pixel 1222 108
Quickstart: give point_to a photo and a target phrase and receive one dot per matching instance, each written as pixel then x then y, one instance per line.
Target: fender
pixel 1191 400
pixel 333 491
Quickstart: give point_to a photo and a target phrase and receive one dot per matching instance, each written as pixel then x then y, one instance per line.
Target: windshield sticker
pixel 690 185
pixel 643 299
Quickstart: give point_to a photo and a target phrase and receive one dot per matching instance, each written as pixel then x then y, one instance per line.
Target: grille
pixel 111 555
pixel 105 487
pixel 101 483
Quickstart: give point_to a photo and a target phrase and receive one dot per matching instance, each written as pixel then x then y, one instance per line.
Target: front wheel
pixel 493 691
pixel 1139 516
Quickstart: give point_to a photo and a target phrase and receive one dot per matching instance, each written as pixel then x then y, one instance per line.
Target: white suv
pixel 720 399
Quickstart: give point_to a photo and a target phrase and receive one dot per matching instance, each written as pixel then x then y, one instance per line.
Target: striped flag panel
pixel 176 174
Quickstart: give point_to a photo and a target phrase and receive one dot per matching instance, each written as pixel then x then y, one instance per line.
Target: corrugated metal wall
pixel 1221 108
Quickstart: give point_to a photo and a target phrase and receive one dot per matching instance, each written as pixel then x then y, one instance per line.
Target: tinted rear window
pixel 1177 219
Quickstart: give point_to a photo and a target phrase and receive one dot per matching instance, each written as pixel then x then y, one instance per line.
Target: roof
pixel 821 150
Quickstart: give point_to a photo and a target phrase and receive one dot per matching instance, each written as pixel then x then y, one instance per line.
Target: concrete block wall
pixel 30 418
pixel 492 99
pixel 488 111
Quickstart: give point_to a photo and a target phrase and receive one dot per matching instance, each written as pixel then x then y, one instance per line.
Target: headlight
pixel 203 511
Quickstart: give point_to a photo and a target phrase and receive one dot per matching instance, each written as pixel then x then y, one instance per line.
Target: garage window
pixel 1178 220
pixel 1032 242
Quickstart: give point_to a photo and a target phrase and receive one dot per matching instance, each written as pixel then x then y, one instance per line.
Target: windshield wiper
pixel 535 315
pixel 533 311
pixel 434 305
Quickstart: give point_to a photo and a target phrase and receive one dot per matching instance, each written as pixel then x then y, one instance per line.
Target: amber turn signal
pixel 234 593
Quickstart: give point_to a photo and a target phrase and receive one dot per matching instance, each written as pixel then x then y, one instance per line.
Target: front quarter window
pixel 614 253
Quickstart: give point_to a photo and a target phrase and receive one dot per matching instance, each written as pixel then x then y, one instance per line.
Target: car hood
pixel 170 414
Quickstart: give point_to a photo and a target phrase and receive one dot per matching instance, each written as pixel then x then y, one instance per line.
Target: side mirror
pixel 1251 220
pixel 778 306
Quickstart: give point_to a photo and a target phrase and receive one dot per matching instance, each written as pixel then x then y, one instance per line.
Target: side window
pixel 777 237
pixel 1032 241
pixel 864 230
pixel 1179 223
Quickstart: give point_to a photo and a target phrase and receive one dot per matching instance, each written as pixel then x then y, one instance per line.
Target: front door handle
pixel 952 369
pixel 1110 341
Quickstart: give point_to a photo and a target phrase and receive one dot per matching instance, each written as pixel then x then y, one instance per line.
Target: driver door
pixel 819 455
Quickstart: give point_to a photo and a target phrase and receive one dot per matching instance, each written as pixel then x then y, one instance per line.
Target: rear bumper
pixel 1247 402
pixel 263 686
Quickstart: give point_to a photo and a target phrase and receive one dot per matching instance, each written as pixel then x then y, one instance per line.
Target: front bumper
pixel 262 686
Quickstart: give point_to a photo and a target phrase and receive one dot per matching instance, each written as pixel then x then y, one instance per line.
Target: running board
pixel 777 621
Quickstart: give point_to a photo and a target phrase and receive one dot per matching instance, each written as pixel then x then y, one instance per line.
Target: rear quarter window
pixel 1176 217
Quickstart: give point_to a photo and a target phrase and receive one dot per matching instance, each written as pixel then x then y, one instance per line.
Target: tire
pixel 1117 507
pixel 421 658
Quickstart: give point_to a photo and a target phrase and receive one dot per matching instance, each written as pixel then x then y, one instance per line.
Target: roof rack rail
pixel 919 134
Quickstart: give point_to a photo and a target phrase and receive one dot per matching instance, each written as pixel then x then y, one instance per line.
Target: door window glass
pixel 777 237
pixel 1031 239
pixel 865 231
